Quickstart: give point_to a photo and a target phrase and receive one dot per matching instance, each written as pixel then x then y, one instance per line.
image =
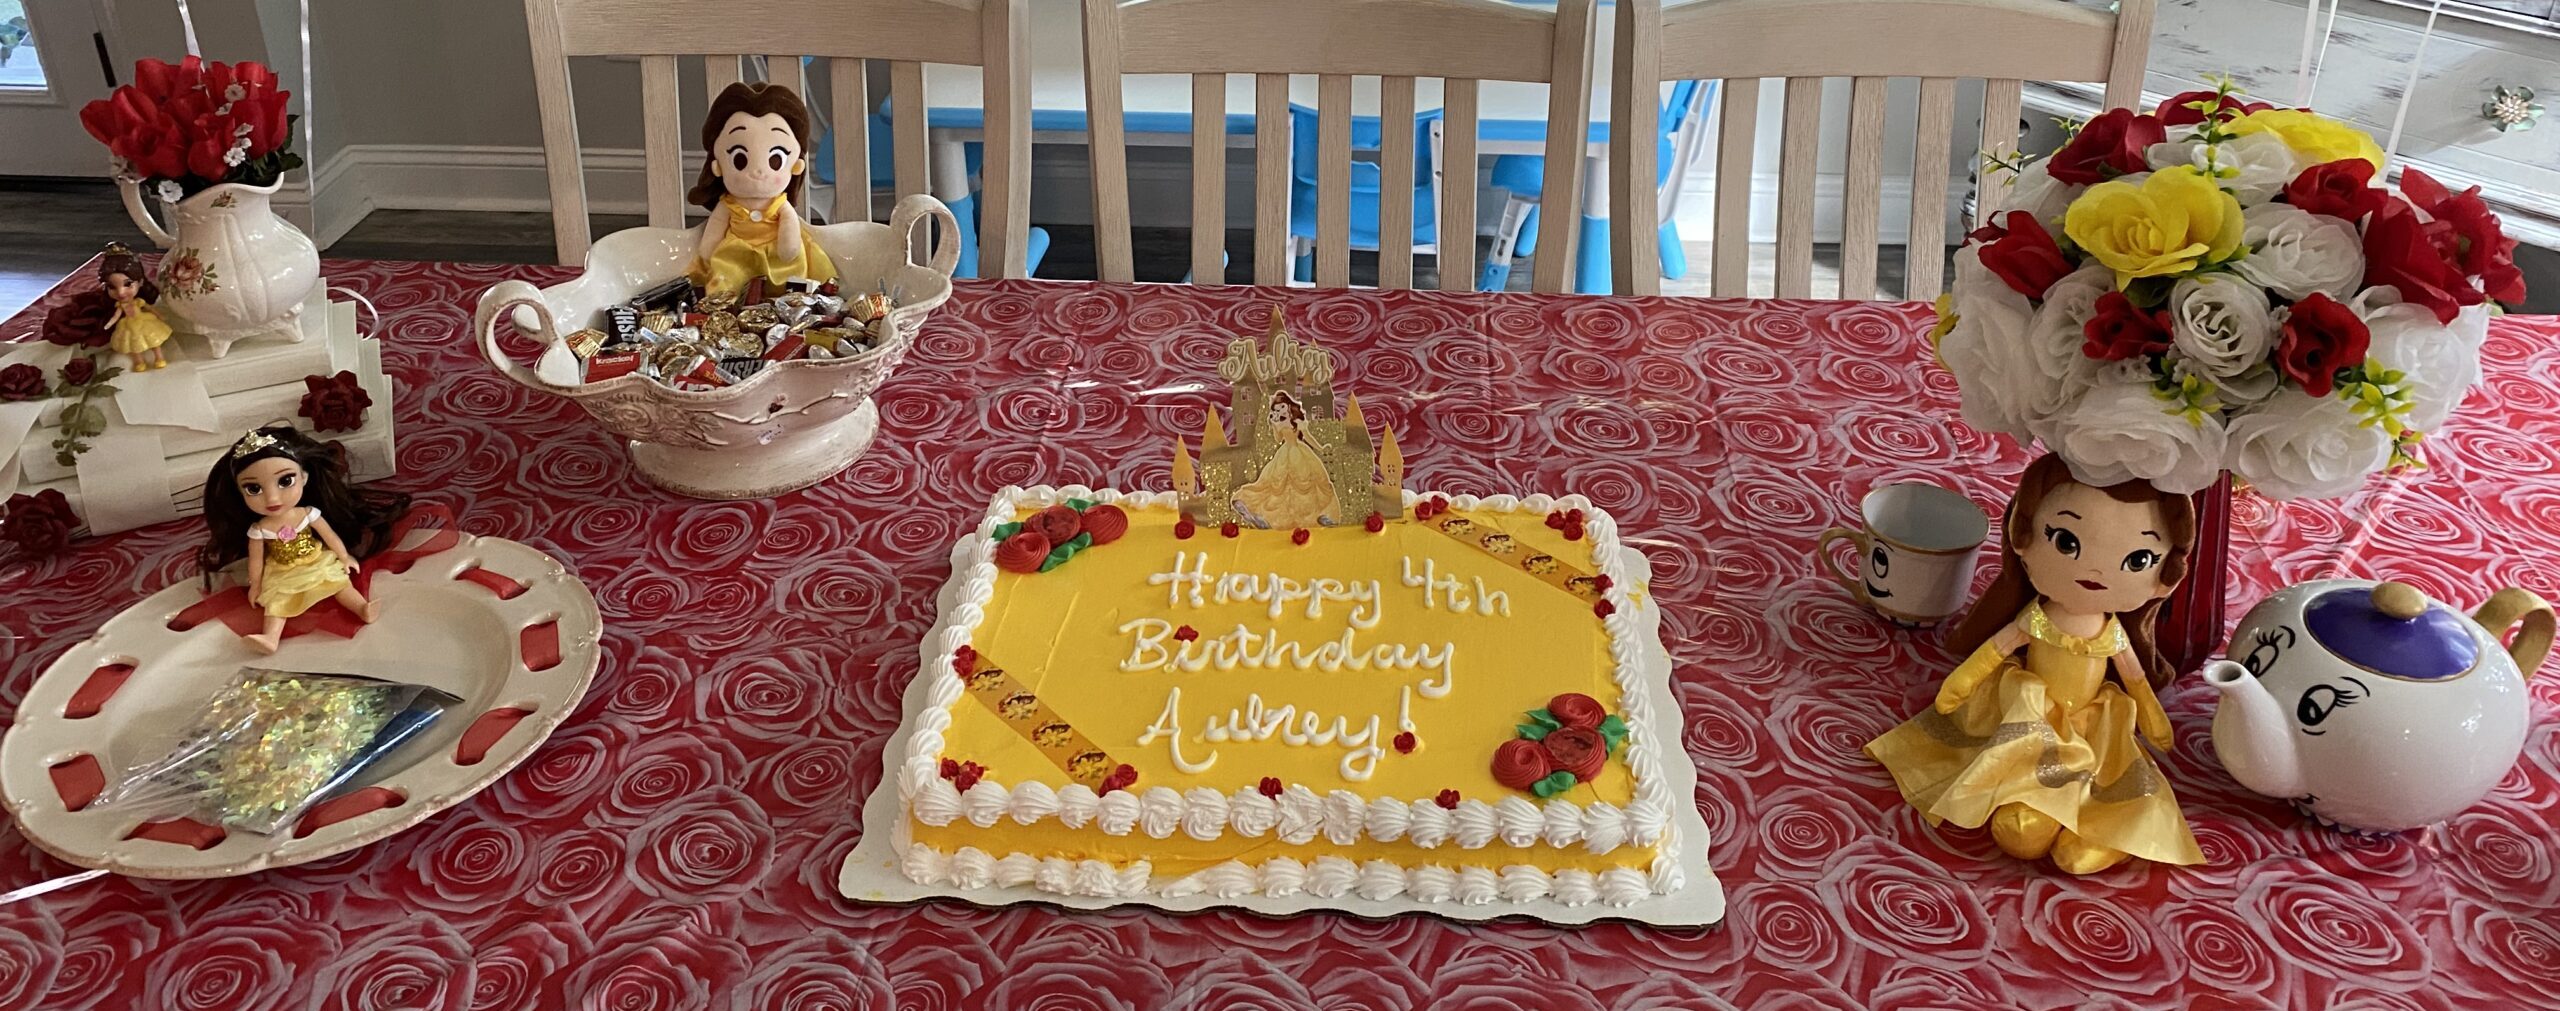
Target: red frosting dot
pixel 1604 609
pixel 1023 552
pixel 1573 532
pixel 970 774
pixel 1300 536
pixel 1270 786
pixel 1405 743
pixel 1447 799
pixel 1183 529
pixel 1603 583
pixel 1229 529
pixel 1555 521
pixel 1574 517
pixel 1377 522
pixel 950 768
pixel 1105 523
pixel 1185 634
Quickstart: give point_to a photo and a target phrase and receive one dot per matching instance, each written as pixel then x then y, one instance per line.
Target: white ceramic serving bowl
pixel 788 427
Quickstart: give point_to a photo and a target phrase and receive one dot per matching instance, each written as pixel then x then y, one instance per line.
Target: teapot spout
pixel 2252 734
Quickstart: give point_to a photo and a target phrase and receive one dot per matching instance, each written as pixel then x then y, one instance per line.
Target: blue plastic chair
pixel 1367 136
pixel 964 211
pixel 1523 177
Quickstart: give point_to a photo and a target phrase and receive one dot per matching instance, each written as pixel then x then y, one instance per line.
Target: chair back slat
pixel 2001 42
pixel 1863 198
pixel 2000 102
pixel 1333 181
pixel 1395 182
pixel 1923 262
pixel 849 105
pixel 1338 41
pixel 1209 179
pixel 1635 256
pixel 1798 149
pixel 1457 167
pixel 983 33
pixel 662 141
pixel 1271 146
pixel 1736 129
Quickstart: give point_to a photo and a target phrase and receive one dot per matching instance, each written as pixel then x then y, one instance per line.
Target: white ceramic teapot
pixel 2372 708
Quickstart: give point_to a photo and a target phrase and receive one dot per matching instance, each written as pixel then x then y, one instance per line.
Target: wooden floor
pixel 49 229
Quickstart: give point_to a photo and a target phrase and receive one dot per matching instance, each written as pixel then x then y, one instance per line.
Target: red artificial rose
pixel 2121 330
pixel 1578 750
pixel 2025 256
pixel 39 524
pixel 161 80
pixel 335 403
pixel 1519 763
pixel 21 382
pixel 1058 523
pixel 81 321
pixel 2339 189
pixel 1024 552
pixel 79 370
pixel 1574 709
pixel 2320 336
pixel 2106 147
pixel 2484 250
pixel 1105 523
pixel 2187 108
pixel 2417 257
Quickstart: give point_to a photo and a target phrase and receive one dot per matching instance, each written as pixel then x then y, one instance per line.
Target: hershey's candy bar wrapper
pixel 622 323
pixel 738 369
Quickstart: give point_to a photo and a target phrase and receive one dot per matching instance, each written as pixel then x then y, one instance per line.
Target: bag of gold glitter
pixel 271 744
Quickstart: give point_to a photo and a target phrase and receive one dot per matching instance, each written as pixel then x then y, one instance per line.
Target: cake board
pixel 871 873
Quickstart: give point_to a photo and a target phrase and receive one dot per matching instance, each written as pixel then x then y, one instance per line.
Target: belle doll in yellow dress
pixel 1294 489
pixel 2031 734
pixel 135 330
pixel 271 500
pixel 755 148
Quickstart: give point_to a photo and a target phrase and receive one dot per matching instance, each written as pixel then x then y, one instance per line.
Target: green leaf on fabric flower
pixel 1005 531
pixel 1555 783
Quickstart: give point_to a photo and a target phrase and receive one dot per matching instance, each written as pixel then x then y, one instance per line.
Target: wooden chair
pixel 907 33
pixel 2005 42
pixel 1459 41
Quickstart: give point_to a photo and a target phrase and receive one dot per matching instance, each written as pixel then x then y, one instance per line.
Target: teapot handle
pixel 141 214
pixel 2504 609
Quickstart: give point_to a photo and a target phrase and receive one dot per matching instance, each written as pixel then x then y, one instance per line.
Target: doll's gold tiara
pixel 251 443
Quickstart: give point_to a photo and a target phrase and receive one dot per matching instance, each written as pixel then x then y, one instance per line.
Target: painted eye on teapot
pixel 1879 563
pixel 2270 644
pixel 2321 701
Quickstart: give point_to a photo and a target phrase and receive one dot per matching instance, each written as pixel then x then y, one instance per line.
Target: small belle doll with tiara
pixel 2039 732
pixel 279 500
pixel 755 146
pixel 135 330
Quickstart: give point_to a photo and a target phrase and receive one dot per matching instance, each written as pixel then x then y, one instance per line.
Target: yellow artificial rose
pixel 1946 319
pixel 2317 138
pixel 2174 222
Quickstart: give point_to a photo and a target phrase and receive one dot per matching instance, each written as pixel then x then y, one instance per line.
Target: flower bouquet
pixel 186 127
pixel 2219 286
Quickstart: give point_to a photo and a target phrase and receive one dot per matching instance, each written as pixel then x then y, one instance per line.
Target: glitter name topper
pixel 1293 461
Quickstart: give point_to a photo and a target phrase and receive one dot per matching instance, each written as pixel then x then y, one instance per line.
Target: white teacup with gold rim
pixel 1915 554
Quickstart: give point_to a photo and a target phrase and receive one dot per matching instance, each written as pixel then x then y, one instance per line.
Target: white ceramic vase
pixel 234 270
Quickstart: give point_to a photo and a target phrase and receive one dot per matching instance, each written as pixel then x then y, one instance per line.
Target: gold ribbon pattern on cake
pixel 1490 541
pixel 1016 705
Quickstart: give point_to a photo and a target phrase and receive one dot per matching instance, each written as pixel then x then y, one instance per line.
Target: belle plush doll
pixel 278 499
pixel 1294 489
pixel 135 330
pixel 755 143
pixel 2039 732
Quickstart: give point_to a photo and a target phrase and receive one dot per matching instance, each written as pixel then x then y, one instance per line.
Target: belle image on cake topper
pixel 1293 463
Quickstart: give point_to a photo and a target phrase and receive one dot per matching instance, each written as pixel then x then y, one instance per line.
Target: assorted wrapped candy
pixel 690 339
pixel 271 744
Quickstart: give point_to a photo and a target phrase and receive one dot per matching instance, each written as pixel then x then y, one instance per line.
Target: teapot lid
pixel 2393 630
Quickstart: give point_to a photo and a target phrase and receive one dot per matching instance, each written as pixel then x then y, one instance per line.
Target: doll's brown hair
pixel 755 99
pixel 120 260
pixel 2010 591
pixel 363 517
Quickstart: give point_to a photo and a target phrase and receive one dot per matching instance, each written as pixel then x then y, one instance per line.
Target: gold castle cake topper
pixel 1293 461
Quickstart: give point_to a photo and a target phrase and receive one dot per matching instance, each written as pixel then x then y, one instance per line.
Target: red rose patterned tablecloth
pixel 675 845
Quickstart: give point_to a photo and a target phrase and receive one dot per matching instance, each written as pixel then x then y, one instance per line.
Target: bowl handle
pixel 946 248
pixel 504 297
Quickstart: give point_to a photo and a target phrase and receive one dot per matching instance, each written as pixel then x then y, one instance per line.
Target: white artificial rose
pixel 1986 349
pixel 2057 336
pixel 2173 153
pixel 2220 325
pixel 2440 361
pixel 2254 167
pixel 2251 385
pixel 2037 192
pixel 2294 252
pixel 2121 431
pixel 2300 446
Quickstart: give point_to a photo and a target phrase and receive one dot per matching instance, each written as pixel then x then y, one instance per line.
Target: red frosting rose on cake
pixel 1578 750
pixel 1058 523
pixel 1023 552
pixel 1574 709
pixel 1105 523
pixel 1520 763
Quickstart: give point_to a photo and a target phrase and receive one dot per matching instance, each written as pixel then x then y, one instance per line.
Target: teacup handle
pixel 945 254
pixel 1822 550
pixel 2504 609
pixel 141 214
pixel 506 297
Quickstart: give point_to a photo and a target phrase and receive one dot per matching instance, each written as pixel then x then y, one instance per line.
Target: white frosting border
pixel 1340 816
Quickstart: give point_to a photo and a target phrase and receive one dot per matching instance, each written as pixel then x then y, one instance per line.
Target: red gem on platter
pixel 950 767
pixel 1183 529
pixel 1602 583
pixel 1447 799
pixel 1376 523
pixel 1604 609
pixel 1405 743
pixel 1185 634
pixel 1555 521
pixel 1229 529
pixel 1270 786
pixel 1300 536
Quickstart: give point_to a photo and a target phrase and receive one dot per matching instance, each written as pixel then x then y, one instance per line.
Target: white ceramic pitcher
pixel 234 269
